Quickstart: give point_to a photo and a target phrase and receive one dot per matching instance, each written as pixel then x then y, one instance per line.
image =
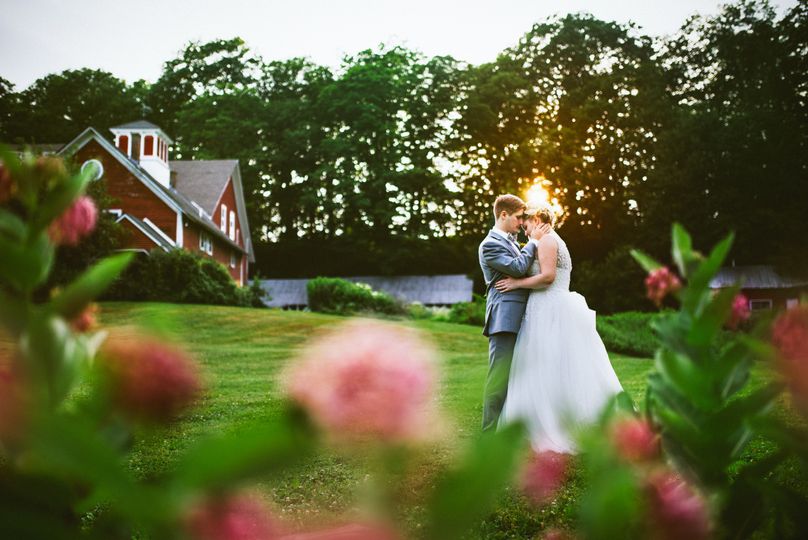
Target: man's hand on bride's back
pixel 540 231
pixel 506 284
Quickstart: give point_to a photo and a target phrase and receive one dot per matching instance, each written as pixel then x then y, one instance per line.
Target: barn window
pixel 760 305
pixel 223 219
pixel 792 303
pixel 232 260
pixel 205 244
pixel 232 225
pixel 123 144
pixel 148 145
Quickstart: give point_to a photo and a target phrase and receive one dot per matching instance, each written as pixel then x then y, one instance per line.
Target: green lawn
pixel 243 351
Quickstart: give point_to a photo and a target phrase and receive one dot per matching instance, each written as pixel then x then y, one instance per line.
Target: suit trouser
pixel 500 354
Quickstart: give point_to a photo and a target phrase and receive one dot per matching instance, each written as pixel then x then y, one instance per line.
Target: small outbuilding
pixel 764 286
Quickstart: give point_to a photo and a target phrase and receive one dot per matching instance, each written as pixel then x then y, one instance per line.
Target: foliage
pixel 179 276
pixel 702 403
pixel 628 333
pixel 612 284
pixel 469 312
pixel 339 296
pixel 71 404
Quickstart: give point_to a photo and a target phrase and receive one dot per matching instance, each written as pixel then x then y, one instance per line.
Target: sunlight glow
pixel 542 193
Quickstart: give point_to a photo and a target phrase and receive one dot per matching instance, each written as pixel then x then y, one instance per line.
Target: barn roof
pixel 203 181
pixel 755 277
pixel 428 290
pixel 137 124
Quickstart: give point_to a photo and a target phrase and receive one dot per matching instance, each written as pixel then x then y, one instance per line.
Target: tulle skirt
pixel 561 377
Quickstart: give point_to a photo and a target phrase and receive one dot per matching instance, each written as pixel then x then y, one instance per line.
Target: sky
pixel 133 39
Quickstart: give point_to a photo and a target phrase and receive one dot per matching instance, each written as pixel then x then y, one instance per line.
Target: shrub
pixel 181 277
pixel 339 296
pixel 628 333
pixel 469 312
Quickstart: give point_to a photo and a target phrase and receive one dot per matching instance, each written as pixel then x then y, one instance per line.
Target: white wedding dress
pixel 561 377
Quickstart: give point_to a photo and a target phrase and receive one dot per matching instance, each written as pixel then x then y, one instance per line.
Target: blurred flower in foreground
pixel 75 223
pixel 557 534
pixel 790 337
pixel 149 379
pixel 85 321
pixel 634 440
pixel 740 311
pixel 367 378
pixel 661 282
pixel 353 531
pixel 242 516
pixel 543 476
pixel 676 511
pixel 50 168
pixel 7 186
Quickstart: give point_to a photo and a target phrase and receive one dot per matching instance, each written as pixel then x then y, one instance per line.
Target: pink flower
pixel 676 512
pixel 659 283
pixel 85 321
pixel 740 311
pixel 237 517
pixel 790 337
pixel 148 379
pixel 544 475
pixel 7 185
pixel 352 531
pixel 634 440
pixel 367 379
pixel 75 223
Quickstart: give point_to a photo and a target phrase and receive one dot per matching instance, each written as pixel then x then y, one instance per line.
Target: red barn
pixel 193 205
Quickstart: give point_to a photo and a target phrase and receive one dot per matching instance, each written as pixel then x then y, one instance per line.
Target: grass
pixel 243 353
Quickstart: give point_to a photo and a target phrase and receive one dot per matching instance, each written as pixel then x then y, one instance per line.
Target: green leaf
pixel 647 262
pixel 24 267
pixel 708 324
pixel 59 199
pixel 12 226
pixel 684 375
pixel 682 249
pixel 259 448
pixel 52 355
pixel 75 297
pixel 464 495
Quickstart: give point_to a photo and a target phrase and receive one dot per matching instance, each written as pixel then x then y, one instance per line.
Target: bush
pixel 628 333
pixel 181 277
pixel 342 297
pixel 469 312
pixel 612 285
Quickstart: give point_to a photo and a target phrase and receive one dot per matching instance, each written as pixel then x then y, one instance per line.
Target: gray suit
pixel 503 316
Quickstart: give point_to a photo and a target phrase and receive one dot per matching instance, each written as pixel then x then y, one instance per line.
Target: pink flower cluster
pixel 635 440
pixel 740 311
pixel 148 379
pixel 790 337
pixel 85 321
pixel 75 223
pixel 242 516
pixel 661 282
pixel 676 512
pixel 367 379
pixel 544 475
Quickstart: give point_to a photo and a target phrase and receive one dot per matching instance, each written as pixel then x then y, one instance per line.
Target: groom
pixel 501 256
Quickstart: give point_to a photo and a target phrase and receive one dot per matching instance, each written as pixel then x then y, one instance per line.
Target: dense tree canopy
pixel 708 126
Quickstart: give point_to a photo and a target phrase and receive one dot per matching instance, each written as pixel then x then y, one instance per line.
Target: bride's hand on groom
pixel 506 284
pixel 540 231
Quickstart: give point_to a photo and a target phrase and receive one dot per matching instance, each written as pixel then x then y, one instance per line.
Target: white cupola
pixel 146 144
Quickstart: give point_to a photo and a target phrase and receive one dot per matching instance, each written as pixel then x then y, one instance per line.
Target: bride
pixel 561 377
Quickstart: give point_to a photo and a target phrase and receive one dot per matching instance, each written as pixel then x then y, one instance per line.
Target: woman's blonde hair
pixel 544 212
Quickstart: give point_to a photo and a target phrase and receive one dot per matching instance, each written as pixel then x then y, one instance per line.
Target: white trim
pixel 765 304
pixel 179 242
pixel 90 133
pixel 114 211
pixel 157 229
pixel 223 218
pixel 231 233
pixel 148 233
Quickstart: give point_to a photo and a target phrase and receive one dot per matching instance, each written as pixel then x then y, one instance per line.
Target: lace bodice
pixel 563 267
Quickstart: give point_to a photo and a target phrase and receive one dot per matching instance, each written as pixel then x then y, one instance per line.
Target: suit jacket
pixel 500 258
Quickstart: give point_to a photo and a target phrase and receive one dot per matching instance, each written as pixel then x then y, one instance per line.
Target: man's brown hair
pixel 508 203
